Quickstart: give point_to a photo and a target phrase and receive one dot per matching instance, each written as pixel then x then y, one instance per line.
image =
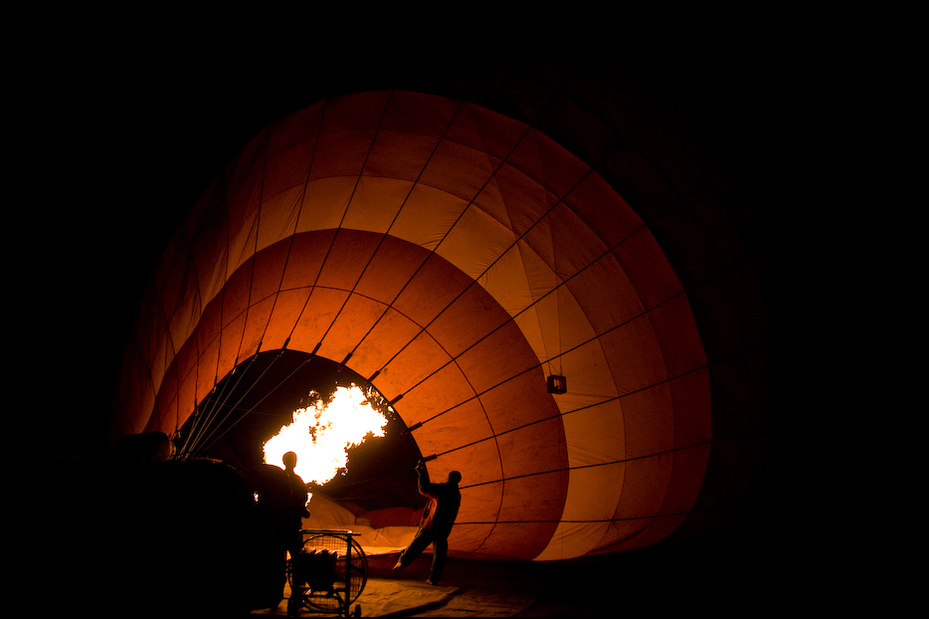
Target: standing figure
pixel 282 498
pixel 294 513
pixel 295 510
pixel 437 521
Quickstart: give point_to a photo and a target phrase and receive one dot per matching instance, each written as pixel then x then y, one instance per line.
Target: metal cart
pixel 328 575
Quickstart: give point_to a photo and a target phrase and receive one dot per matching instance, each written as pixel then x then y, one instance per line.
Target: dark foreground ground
pixel 725 580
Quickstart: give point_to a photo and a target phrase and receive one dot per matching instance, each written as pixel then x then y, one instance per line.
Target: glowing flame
pixel 322 434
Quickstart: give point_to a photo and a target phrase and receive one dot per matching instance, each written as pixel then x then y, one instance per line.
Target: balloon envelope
pixel 459 258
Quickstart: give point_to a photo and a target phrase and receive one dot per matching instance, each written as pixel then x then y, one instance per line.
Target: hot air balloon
pixel 547 313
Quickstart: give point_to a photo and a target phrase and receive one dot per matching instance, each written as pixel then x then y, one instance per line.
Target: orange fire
pixel 322 434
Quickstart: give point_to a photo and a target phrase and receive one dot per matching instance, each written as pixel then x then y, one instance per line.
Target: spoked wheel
pixel 329 576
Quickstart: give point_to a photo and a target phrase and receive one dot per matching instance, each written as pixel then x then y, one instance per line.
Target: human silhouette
pixel 436 524
pixel 282 507
pixel 295 509
pixel 295 512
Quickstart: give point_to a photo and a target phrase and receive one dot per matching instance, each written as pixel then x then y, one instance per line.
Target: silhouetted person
pixel 282 504
pixel 437 521
pixel 296 512
pixel 295 508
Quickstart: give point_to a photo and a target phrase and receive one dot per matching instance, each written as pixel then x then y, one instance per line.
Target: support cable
pixel 259 402
pixel 406 198
pixel 339 227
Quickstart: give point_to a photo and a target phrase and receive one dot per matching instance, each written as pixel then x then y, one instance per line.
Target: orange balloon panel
pixel 458 257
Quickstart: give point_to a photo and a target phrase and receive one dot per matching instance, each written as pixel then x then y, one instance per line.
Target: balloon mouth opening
pixel 275 392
